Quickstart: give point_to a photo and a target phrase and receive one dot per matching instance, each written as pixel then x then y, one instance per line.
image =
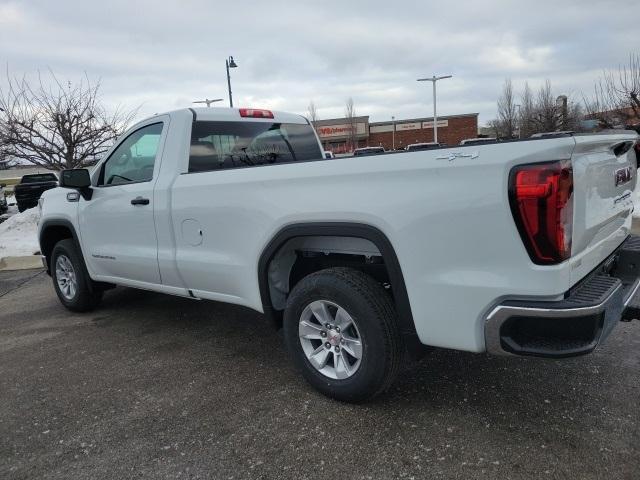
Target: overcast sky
pixel 163 54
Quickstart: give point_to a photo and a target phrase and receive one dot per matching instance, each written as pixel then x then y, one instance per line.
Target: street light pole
pixel 393 136
pixel 230 63
pixel 434 79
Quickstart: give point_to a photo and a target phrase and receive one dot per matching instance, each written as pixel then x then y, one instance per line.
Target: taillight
pixel 255 113
pixel 541 198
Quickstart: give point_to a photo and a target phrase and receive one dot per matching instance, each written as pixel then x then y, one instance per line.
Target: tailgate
pixel 604 178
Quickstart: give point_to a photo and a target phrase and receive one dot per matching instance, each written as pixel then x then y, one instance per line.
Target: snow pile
pixel 19 234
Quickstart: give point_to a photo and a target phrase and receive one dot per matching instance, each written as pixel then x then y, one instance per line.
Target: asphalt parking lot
pixel 151 386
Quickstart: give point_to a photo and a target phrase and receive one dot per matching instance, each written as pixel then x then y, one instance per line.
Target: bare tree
pixel 312 113
pixel 616 97
pixel 553 113
pixel 543 112
pixel 350 115
pixel 5 162
pixel 527 112
pixel 495 128
pixel 546 111
pixel 57 126
pixel 507 114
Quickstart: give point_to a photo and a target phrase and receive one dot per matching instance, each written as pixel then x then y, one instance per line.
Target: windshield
pixel 423 146
pixel 368 151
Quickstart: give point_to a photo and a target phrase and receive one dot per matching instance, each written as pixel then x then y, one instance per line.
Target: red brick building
pixel 334 133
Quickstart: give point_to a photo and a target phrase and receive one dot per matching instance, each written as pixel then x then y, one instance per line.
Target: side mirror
pixel 78 179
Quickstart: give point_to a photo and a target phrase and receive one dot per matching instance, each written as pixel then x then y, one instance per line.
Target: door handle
pixel 140 201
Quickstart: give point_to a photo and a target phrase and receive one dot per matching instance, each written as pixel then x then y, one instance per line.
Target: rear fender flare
pixel 345 229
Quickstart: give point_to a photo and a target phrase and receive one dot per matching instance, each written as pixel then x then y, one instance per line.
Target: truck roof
pixel 233 115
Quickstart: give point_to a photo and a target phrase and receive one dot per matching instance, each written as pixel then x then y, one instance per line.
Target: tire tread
pixel 89 295
pixel 380 301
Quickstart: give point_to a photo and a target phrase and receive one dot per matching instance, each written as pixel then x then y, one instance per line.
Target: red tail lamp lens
pixel 541 198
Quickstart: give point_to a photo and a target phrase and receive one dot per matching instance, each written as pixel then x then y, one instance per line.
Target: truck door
pixel 117 226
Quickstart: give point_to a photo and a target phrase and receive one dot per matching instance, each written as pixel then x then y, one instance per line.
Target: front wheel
pixel 340 329
pixel 72 283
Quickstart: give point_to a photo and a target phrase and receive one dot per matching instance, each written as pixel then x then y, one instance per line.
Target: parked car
pixel 367 151
pixel 519 249
pixel 422 146
pixel 478 141
pixel 563 133
pixel 3 199
pixel 28 191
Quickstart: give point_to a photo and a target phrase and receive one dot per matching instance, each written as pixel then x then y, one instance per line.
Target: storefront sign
pixel 343 130
pixel 387 127
pixel 441 123
pixel 407 126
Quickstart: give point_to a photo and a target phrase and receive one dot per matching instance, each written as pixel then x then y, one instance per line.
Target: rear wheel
pixel 341 331
pixel 72 283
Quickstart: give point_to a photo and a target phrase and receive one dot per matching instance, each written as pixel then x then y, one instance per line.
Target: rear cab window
pixel 37 178
pixel 219 145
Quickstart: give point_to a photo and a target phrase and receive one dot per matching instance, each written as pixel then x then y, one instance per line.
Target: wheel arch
pixel 51 232
pixel 344 229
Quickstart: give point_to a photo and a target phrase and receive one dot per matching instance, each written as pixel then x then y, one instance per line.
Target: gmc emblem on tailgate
pixel 622 175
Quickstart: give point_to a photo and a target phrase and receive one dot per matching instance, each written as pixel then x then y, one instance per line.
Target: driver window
pixel 134 158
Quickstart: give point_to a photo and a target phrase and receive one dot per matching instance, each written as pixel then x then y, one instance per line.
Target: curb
pixel 20 263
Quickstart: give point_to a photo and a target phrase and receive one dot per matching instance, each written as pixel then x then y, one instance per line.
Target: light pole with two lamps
pixel 434 79
pixel 208 102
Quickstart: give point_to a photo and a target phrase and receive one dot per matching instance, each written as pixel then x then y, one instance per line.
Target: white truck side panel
pixel 447 217
pixel 449 222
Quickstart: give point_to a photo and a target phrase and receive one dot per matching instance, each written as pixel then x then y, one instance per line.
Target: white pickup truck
pixel 518 248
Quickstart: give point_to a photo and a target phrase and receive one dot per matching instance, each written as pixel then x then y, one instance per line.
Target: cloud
pixel 163 55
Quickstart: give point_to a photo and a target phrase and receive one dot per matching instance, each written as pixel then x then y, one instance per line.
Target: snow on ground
pixel 19 234
pixel 636 203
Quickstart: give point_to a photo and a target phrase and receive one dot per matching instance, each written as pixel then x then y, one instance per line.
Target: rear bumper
pixel 577 324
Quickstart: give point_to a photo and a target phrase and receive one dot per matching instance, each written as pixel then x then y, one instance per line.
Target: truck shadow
pixel 507 391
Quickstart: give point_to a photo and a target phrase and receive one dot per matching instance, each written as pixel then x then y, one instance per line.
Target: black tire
pixel 87 293
pixel 372 310
pixel 21 208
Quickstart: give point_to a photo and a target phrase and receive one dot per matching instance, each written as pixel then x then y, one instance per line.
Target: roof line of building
pixel 328 121
pixel 342 119
pixel 424 119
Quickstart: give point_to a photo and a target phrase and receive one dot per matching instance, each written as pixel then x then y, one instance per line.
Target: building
pixel 628 118
pixel 335 133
